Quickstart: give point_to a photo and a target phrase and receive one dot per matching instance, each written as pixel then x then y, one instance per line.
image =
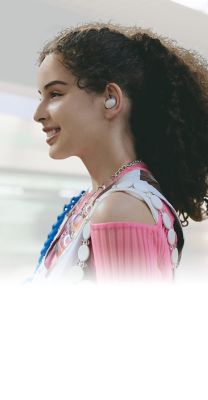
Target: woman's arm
pixel 120 206
pixel 126 241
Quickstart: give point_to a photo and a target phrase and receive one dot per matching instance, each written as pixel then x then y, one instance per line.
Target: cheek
pixel 55 108
pixel 74 112
pixel 61 113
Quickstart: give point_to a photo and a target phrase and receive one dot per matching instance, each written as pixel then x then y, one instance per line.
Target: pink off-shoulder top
pixel 131 250
pixel 124 250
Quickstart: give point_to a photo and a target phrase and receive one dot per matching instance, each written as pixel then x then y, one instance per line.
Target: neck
pixel 110 153
pixel 102 174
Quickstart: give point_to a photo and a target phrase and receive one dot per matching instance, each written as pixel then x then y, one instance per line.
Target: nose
pixel 40 113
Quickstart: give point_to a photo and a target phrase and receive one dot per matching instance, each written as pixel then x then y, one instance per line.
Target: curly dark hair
pixel 168 89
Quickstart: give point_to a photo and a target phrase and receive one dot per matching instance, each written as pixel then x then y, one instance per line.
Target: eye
pixel 54 94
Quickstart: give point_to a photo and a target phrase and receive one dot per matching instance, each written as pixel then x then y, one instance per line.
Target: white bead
pixel 156 202
pixel 171 236
pixel 174 256
pixel 166 220
pixel 83 252
pixel 86 231
pixel 74 274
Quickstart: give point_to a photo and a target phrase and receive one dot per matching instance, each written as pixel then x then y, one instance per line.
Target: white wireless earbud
pixel 110 103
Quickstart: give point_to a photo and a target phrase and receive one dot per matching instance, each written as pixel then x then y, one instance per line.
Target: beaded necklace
pixel 70 208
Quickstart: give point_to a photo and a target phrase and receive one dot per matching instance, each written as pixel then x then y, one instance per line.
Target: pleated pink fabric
pixel 131 250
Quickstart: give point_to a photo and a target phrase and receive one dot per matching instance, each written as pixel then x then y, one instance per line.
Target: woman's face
pixel 70 116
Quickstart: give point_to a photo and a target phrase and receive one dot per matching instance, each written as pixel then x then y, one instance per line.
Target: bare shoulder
pixel 120 206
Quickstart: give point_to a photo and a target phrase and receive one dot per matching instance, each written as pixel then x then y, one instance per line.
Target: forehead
pixel 51 69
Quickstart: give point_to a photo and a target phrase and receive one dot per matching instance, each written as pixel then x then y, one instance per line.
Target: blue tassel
pixel 55 227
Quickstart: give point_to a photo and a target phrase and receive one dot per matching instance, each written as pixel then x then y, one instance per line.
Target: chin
pixel 57 155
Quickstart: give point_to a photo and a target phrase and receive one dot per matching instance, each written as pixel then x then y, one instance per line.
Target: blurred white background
pixel 33 187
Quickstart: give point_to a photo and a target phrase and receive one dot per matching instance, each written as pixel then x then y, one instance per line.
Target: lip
pixel 47 129
pixel 50 140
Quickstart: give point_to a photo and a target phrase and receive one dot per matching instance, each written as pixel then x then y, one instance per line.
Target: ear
pixel 112 89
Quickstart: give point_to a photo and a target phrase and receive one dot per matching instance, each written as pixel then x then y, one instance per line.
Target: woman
pixel 133 107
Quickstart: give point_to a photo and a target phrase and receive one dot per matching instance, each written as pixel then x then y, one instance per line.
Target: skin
pixel 100 137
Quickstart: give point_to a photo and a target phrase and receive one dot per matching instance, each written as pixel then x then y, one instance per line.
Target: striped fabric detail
pixel 130 250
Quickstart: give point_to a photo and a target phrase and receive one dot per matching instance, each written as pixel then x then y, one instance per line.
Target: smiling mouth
pixel 52 138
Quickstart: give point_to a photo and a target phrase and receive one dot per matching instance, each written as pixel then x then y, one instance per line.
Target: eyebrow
pixel 53 83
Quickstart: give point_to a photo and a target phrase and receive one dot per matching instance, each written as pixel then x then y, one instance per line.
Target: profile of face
pixel 71 117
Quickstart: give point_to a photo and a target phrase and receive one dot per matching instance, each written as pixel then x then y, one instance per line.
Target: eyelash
pixel 52 94
pixel 55 93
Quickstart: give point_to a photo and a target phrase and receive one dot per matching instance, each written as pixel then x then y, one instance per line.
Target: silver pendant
pixel 83 252
pixel 166 220
pixel 171 236
pixel 86 231
pixel 156 202
pixel 174 256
